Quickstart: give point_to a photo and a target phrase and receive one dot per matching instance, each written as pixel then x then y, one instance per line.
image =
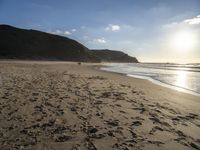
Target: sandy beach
pixel 66 106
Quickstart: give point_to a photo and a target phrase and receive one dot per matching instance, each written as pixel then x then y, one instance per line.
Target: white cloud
pixel 73 30
pixel 100 40
pixel 193 21
pixel 60 32
pixel 112 27
pixel 57 32
pixel 170 25
pixel 67 33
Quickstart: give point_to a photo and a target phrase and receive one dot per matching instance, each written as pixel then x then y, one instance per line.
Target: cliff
pixel 26 44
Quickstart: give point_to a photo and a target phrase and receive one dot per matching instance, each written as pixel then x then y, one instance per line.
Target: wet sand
pixel 61 106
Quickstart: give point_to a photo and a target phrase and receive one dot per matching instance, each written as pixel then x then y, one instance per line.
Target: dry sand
pixel 61 106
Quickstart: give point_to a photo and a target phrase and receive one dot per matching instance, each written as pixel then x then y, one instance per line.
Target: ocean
pixel 185 78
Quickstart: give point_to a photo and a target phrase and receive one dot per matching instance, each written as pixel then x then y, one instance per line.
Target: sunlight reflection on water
pixel 184 78
pixel 181 79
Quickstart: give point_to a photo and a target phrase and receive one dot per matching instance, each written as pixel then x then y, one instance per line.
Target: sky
pixel 142 28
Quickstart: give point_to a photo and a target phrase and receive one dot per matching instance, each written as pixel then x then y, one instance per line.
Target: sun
pixel 183 41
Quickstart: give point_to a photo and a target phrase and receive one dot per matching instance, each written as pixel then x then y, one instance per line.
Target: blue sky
pixel 140 28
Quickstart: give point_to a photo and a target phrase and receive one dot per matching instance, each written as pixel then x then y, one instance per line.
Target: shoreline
pixel 157 82
pixel 160 83
pixel 53 105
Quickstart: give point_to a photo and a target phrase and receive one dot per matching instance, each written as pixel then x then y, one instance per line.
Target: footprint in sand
pixel 136 123
pixel 158 143
pixel 156 128
pixel 62 138
pixel 113 122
